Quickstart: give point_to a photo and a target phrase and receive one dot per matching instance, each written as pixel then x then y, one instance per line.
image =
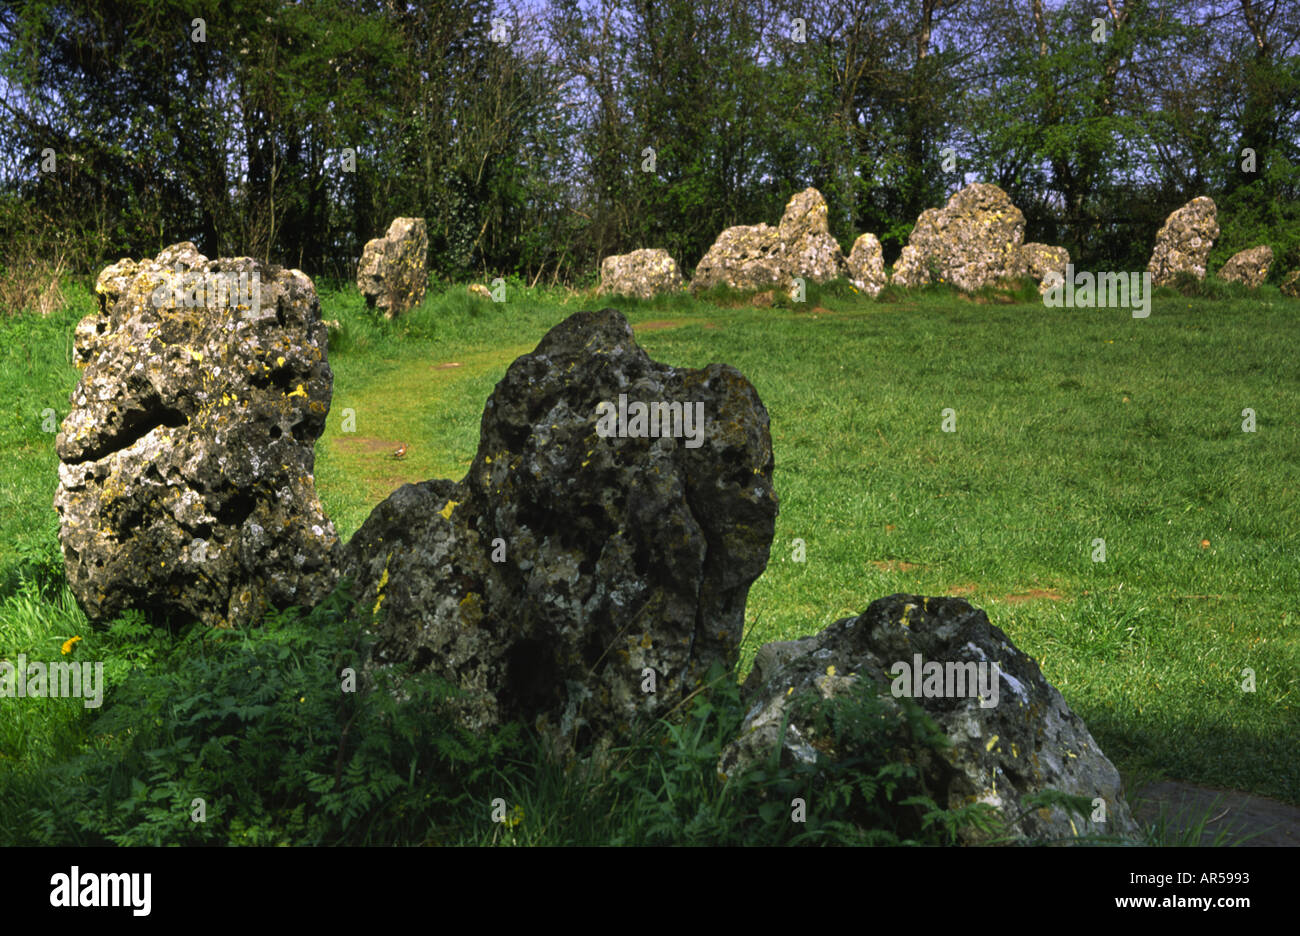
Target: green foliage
pixel 255 724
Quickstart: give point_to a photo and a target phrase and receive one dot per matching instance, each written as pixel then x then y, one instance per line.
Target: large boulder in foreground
pixel 393 272
pixel 973 241
pixel 185 475
pixel 757 257
pixel 1184 242
pixel 582 555
pixel 1021 738
pixel 642 274
pixel 1249 267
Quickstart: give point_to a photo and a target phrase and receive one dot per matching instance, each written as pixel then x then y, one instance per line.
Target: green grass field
pixel 1071 426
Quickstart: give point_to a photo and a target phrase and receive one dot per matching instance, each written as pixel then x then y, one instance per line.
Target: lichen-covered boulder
pixel 912 267
pixel 574 568
pixel 1040 261
pixel 642 274
pixel 866 265
pixel 807 245
pixel 479 291
pixel 757 257
pixel 1290 285
pixel 1248 266
pixel 1184 242
pixel 393 272
pixel 744 257
pixel 973 241
pixel 185 475
pixel 1012 734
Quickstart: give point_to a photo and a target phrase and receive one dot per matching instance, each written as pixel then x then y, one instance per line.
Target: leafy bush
pixel 255 724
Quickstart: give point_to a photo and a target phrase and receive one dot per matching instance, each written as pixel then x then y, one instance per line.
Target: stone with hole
pixel 185 464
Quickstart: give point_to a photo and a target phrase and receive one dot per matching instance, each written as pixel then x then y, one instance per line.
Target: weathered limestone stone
pixel 808 247
pixel 567 567
pixel 1248 266
pixel 185 476
pixel 1028 741
pixel 756 257
pixel 392 274
pixel 745 257
pixel 1290 285
pixel 973 241
pixel 1184 242
pixel 643 274
pixel 912 268
pixel 1039 261
pixel 866 265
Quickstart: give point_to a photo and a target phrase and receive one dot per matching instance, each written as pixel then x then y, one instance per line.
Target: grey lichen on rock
pixel 393 272
pixel 185 475
pixel 866 265
pixel 642 274
pixel 973 241
pixel 1039 261
pixel 1249 267
pixel 567 569
pixel 1021 739
pixel 757 257
pixel 1184 242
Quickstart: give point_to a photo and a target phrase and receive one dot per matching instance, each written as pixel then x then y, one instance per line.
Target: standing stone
pixel 866 265
pixel 1027 742
pixel 912 268
pixel 744 257
pixel 808 248
pixel 1184 242
pixel 642 274
pixel 973 241
pixel 569 569
pixel 1039 261
pixel 758 257
pixel 1248 266
pixel 185 475
pixel 1291 284
pixel 392 274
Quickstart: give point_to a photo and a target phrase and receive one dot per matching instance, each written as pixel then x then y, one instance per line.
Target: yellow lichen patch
pixel 446 511
pixel 279 362
pixel 299 392
pixel 379 589
pixel 992 741
pixel 646 643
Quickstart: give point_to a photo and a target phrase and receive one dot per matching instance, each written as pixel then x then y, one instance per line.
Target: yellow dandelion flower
pixel 67 645
pixel 516 816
